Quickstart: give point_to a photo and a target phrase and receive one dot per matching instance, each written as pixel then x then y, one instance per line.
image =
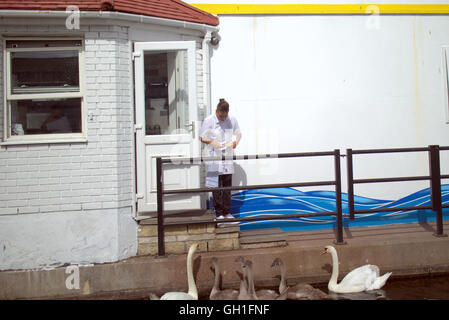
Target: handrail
pixel 187 160
pixel 260 186
pixel 337 183
pixel 392 150
pixel 434 177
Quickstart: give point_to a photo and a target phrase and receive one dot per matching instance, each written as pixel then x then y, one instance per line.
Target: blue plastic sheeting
pixel 282 201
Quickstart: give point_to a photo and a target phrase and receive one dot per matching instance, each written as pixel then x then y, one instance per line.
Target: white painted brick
pixel 89 41
pixel 16 162
pixel 49 208
pixel 34 188
pixel 92 206
pixel 8 211
pixel 109 205
pixel 8 183
pixel 8 196
pixel 99 28
pixel 73 180
pixel 72 193
pixel 44 202
pixel 89 67
pixel 70 207
pixel 58 160
pixel 105 54
pixel 92 99
pixel 103 66
pixel 16 203
pixel 25 210
pixel 96 175
pixel 91 35
pixel 107 93
pixel 107 60
pixel 103 79
pixel 107 47
pixel 60 173
pixel 89 55
pixel 49 181
pixel 90 79
pixel 49 195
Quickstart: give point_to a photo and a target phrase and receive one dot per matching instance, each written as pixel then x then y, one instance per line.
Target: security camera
pixel 215 38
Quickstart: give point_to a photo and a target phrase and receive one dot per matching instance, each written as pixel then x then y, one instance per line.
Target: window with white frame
pixel 44 93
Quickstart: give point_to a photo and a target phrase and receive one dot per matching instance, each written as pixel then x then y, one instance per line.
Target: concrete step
pixel 262 236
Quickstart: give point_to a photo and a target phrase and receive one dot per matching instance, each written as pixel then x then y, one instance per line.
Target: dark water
pixel 429 287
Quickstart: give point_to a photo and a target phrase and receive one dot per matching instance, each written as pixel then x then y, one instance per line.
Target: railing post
pixel 350 175
pixel 160 208
pixel 435 187
pixel 338 207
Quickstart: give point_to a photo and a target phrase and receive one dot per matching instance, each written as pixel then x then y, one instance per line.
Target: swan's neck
pixel 283 283
pixel 244 284
pixel 193 291
pixel 216 287
pixel 334 276
pixel 251 289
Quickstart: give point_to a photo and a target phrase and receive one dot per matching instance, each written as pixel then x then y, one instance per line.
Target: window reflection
pixel 43 116
pixel 44 71
pixel 166 99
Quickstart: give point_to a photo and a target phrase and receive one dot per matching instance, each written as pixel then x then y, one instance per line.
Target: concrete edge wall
pixel 168 273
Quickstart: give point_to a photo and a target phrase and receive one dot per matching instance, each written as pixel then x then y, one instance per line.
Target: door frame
pixel 140 48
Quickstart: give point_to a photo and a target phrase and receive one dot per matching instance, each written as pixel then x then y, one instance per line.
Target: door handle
pixel 192 127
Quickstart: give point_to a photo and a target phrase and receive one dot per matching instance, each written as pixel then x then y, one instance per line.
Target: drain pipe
pixel 206 73
pixel 211 38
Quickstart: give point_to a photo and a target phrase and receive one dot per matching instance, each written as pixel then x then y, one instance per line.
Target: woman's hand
pixel 215 144
pixel 231 144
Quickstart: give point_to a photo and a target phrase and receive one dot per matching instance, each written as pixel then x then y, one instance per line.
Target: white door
pixel 166 122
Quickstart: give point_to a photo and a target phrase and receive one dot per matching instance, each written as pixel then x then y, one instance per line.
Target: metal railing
pixel 434 177
pixel 161 192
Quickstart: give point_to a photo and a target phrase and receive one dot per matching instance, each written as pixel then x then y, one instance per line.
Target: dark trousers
pixel 222 198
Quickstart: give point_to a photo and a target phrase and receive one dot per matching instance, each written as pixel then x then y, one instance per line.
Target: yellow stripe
pixel 323 8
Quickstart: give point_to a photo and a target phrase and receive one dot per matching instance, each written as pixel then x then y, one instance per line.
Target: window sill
pixel 42 141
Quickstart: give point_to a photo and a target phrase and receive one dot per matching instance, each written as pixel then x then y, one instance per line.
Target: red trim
pixel 169 9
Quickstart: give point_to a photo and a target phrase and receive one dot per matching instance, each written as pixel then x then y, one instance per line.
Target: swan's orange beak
pixel 324 251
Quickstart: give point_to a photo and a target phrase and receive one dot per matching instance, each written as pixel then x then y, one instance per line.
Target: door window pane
pixel 43 116
pixel 166 98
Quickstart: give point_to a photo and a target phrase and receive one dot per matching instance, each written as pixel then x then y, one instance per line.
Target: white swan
pixel 363 278
pixel 300 291
pixel 216 293
pixel 192 294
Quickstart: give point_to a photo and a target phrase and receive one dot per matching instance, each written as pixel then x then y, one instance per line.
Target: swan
pixel 216 293
pixel 301 291
pixel 363 278
pixel 243 291
pixel 263 294
pixel 192 294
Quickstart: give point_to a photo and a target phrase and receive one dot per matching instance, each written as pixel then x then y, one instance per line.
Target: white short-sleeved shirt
pixel 222 132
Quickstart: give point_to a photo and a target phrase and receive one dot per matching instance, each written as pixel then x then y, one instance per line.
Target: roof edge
pixel 130 17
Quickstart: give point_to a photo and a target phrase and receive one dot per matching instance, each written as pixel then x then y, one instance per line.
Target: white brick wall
pixel 81 176
pixel 72 202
